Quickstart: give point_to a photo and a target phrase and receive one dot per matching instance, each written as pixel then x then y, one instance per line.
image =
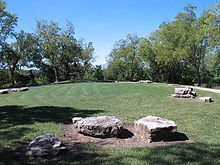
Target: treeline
pixel 185 51
pixel 49 54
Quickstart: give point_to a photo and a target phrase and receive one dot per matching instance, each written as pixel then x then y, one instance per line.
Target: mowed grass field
pixel 45 109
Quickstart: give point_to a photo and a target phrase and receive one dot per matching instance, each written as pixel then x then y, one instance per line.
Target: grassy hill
pixel 45 109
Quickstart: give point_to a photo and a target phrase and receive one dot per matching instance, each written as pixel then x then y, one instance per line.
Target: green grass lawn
pixel 45 109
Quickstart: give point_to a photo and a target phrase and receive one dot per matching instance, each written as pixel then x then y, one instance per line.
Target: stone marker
pixel 186 92
pixel 101 126
pixel 154 128
pixel 145 81
pixel 4 91
pixel 19 89
pixel 24 89
pixel 14 90
pixel 45 145
pixel 206 99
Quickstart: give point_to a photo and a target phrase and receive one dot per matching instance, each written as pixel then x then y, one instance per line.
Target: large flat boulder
pixel 101 126
pixel 19 89
pixel 153 128
pixel 145 81
pixel 186 92
pixel 4 91
pixel 206 99
pixel 182 96
pixel 45 145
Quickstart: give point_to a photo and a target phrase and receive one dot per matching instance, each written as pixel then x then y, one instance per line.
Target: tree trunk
pixel 55 69
pixel 12 70
pixel 67 70
pixel 32 76
pixel 198 76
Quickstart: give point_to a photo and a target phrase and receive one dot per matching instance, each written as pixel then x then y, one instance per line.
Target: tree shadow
pixel 16 121
pixel 19 115
pixel 198 153
pixel 85 153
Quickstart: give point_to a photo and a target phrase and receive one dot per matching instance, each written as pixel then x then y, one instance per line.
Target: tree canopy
pixel 184 50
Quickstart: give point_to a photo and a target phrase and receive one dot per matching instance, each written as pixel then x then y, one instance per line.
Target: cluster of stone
pixel 153 128
pixel 6 91
pixel 101 126
pixel 186 92
pixel 150 128
pixel 145 81
pixel 45 145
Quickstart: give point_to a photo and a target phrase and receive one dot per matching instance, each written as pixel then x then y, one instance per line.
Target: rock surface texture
pixel 45 145
pixel 154 128
pixel 4 91
pixel 19 89
pixel 102 126
pixel 145 81
pixel 186 92
pixel 206 99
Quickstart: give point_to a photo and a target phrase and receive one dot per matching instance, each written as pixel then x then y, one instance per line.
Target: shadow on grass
pixel 83 153
pixel 19 115
pixel 17 121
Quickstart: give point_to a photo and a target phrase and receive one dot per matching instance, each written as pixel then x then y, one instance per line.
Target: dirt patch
pixel 76 143
pixel 128 139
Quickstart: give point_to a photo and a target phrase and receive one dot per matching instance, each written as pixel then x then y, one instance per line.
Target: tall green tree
pixel 69 50
pixel 211 27
pixel 11 60
pixel 8 57
pixel 28 48
pixel 7 24
pixel 87 57
pixel 124 60
pixel 193 44
pixel 49 34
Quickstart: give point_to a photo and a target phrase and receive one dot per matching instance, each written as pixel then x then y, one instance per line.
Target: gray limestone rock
pixel 206 99
pixel 19 89
pixel 186 92
pixel 145 81
pixel 101 126
pixel 154 128
pixel 4 91
pixel 182 96
pixel 45 145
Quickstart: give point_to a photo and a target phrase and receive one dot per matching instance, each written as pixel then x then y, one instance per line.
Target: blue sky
pixel 102 21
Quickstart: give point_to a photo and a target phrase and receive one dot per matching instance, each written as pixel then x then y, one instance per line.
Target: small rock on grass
pixel 45 145
pixel 206 99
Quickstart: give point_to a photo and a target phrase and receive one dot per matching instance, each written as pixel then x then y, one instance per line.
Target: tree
pixel 49 34
pixel 124 62
pixel 8 22
pixel 178 44
pixel 11 60
pixel 61 51
pixel 86 58
pixel 28 48
pixel 211 27
pixel 69 49
pixel 193 44
pixel 8 57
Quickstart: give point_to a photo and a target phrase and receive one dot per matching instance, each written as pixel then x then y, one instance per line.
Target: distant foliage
pixel 184 50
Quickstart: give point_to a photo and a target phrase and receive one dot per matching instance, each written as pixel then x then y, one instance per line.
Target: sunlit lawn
pixel 45 109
